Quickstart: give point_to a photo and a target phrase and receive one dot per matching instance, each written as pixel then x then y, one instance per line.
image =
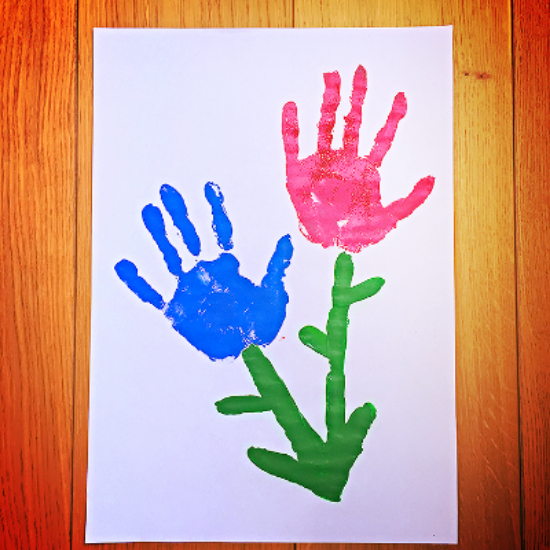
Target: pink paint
pixel 336 194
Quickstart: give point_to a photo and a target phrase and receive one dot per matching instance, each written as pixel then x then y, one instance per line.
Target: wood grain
pixel 487 408
pixel 532 117
pixel 39 333
pixel 37 261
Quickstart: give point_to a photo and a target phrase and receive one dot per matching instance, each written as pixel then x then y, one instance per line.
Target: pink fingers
pixel 402 208
pixel 353 120
pixel 384 138
pixel 291 130
pixel 331 100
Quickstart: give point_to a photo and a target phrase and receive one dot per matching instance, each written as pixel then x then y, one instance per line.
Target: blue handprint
pixel 217 310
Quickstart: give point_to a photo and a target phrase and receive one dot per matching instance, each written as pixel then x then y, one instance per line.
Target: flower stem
pixel 321 466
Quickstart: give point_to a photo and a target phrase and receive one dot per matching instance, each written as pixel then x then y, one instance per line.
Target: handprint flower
pixel 217 310
pixel 335 192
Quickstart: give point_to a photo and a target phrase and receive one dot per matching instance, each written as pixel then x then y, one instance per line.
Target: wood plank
pixel 129 13
pixel 532 122
pixel 487 408
pixel 37 269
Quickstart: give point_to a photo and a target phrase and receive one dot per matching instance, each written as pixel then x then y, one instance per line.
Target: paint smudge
pixel 215 308
pixel 336 194
pixel 321 466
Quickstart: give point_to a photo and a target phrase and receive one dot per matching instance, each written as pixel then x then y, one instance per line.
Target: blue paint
pixel 128 273
pixel 154 222
pixel 215 308
pixel 175 206
pixel 220 222
pixel 220 312
pixel 278 263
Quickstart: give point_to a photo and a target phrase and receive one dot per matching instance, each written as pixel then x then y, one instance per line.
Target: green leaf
pixel 365 290
pixel 360 421
pixel 239 404
pixel 315 339
pixel 310 476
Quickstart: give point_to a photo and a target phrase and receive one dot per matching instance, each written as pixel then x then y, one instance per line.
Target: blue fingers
pixel 220 222
pixel 128 274
pixel 279 262
pixel 175 206
pixel 152 218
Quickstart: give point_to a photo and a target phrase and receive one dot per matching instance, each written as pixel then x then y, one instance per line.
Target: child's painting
pixel 273 304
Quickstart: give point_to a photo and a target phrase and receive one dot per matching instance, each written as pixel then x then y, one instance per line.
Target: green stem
pixel 336 378
pixel 322 467
pixel 274 392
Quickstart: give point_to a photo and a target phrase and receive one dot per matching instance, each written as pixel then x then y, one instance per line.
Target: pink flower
pixel 335 192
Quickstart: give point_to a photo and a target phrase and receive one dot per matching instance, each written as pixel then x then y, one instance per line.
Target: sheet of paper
pixel 223 134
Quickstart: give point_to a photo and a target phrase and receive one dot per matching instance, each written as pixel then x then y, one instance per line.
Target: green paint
pixel 239 404
pixel 321 466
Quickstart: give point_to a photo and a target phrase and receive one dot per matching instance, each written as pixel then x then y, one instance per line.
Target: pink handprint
pixel 335 192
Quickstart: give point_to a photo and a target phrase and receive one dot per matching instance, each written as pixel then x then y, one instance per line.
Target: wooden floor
pixel 502 250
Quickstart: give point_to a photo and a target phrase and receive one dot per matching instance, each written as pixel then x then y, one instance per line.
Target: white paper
pixel 187 107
